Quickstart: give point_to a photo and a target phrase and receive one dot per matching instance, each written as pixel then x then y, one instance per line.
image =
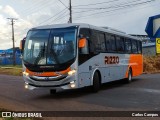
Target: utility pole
pixel 12 23
pixel 70 11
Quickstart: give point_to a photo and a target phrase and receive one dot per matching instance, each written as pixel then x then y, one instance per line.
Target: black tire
pixel 52 91
pixel 129 78
pixel 96 82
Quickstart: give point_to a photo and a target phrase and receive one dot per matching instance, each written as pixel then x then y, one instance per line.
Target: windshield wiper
pixel 54 55
pixel 40 55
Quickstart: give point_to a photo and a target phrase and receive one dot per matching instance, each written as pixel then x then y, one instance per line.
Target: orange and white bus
pixel 69 56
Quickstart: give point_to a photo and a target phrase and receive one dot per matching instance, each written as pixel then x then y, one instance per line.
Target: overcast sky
pixel 130 16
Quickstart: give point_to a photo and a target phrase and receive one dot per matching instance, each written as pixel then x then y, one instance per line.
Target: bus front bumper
pixel 66 83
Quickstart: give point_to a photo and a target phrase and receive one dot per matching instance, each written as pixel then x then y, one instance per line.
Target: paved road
pixel 142 94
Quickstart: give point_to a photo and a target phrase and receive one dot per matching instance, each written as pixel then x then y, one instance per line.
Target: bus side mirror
pixel 82 43
pixel 22 43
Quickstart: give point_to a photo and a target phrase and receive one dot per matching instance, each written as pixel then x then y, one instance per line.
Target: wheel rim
pixel 129 76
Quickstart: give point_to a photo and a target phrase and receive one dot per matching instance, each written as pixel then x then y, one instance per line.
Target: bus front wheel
pixel 96 82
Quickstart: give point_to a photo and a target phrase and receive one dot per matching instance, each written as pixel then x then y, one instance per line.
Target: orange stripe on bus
pixel 136 63
pixel 47 74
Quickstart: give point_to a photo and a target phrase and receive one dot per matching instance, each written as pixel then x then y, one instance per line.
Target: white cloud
pixel 5 32
pixel 3 21
pixel 20 26
pixel 8 10
pixel 24 22
pixel 31 13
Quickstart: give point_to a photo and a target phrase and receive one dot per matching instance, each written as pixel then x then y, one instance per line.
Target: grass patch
pixel 151 64
pixel 11 70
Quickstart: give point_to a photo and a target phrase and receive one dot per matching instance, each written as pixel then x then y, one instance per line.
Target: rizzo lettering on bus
pixel 111 60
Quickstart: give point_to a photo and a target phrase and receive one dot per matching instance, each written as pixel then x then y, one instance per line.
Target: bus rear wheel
pixel 96 82
pixel 129 78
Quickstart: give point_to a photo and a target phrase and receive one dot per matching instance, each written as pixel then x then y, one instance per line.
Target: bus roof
pixel 62 25
pixel 84 25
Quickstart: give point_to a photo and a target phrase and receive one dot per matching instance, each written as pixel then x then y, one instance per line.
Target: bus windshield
pixel 50 47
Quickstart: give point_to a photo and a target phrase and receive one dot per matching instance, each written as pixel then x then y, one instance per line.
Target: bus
pixel 69 56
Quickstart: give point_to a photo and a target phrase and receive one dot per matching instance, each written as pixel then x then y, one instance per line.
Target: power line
pixel 60 17
pixel 63 3
pixel 34 9
pixel 33 6
pixel 96 3
pixel 63 20
pixel 124 3
pixel 131 5
pixel 53 16
pixel 123 12
pixel 70 10
pixel 85 11
pixel 38 8
pixel 59 13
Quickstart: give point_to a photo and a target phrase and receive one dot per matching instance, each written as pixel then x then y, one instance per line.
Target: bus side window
pixel 85 32
pixel 120 44
pixel 108 46
pixel 93 42
pixel 101 42
pixel 139 47
pixel 97 42
pixel 134 46
pixel 113 43
pixel 128 47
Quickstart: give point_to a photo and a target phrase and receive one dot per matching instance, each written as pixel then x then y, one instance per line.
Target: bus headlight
pixel 72 72
pixel 25 73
